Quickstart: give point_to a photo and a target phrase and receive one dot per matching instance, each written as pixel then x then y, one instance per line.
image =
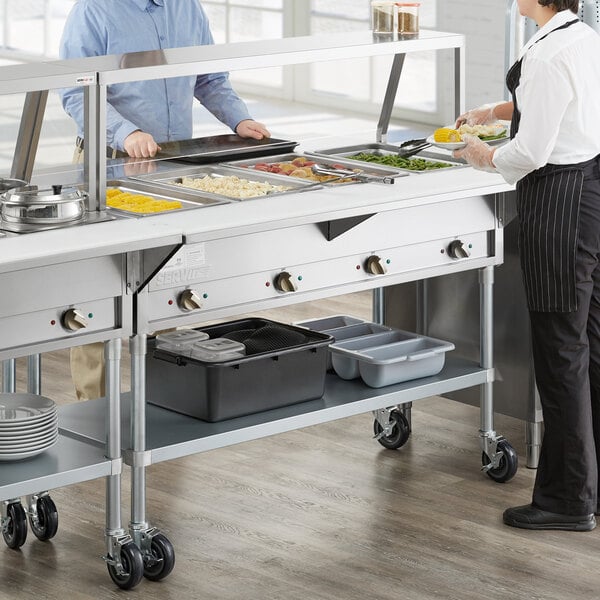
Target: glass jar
pixel 382 17
pixel 408 18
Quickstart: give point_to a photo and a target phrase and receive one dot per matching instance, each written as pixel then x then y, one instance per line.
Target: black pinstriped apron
pixel 548 202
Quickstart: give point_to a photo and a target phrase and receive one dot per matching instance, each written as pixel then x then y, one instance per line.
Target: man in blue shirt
pixel 142 114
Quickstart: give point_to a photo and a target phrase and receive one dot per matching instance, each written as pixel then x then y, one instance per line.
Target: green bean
pixel 393 160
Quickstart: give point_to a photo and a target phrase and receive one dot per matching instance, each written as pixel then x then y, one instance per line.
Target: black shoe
pixel 530 517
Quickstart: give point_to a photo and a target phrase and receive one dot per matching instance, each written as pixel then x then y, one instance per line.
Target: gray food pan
pixel 355 331
pixel 345 354
pixel 343 327
pixel 330 322
pixel 170 179
pixel 403 361
pixel 189 201
pixel 387 149
pixel 325 161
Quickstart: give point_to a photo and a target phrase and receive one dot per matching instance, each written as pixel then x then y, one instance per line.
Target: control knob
pixel 189 300
pixel 375 266
pixel 285 283
pixel 458 249
pixel 74 320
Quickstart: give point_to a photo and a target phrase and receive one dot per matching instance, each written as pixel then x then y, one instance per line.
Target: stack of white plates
pixel 28 425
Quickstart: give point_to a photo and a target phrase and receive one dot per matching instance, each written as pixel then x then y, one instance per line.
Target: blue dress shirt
pixel 161 107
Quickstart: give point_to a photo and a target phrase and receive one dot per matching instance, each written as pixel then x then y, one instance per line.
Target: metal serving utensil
pixel 341 174
pixel 411 147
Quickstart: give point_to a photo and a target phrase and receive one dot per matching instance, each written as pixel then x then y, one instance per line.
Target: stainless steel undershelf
pixel 69 461
pixel 172 435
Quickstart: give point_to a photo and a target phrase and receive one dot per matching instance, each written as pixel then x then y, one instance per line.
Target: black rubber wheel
pixel 399 434
pixel 15 532
pixel 133 565
pixel 509 463
pixel 47 519
pixel 162 561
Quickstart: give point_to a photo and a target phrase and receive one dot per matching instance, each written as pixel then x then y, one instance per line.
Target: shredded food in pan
pixel 232 186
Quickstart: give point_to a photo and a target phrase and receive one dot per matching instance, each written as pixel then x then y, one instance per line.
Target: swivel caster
pixel 43 517
pixel 14 525
pixel 130 568
pixel 159 562
pixel 396 433
pixel 507 466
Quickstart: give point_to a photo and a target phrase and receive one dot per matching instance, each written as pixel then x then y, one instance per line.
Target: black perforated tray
pixel 217 148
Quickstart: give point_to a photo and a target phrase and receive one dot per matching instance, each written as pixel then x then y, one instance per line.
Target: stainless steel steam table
pixel 233 258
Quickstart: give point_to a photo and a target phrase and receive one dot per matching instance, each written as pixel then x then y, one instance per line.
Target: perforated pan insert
pixel 217 148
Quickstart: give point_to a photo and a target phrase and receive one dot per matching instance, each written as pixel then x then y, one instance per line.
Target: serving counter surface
pixel 260 214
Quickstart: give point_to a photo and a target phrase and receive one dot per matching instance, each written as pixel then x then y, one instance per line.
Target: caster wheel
pixel 162 559
pixel 133 566
pixel 46 524
pixel 15 530
pixel 399 434
pixel 509 463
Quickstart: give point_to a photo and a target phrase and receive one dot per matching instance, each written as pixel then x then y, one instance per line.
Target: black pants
pixel 566 353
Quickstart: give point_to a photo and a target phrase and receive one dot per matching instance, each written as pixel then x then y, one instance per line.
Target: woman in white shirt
pixel 554 159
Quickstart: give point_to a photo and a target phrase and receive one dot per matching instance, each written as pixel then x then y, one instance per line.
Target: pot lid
pixel 32 194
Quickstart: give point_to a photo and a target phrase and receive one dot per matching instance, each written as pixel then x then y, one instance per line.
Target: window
pixel 357 85
pixel 235 21
pixel 360 84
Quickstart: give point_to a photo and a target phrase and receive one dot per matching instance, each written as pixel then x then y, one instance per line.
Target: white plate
pixel 18 428
pixel 40 421
pixel 445 145
pixel 22 455
pixel 23 407
pixel 459 145
pixel 29 438
pixel 31 445
pixel 27 435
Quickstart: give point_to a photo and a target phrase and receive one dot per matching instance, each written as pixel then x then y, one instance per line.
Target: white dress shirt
pixel 558 98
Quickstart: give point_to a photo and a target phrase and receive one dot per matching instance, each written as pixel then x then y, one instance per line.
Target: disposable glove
pixel 484 115
pixel 477 153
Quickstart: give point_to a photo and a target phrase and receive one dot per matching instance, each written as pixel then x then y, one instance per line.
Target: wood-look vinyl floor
pixel 322 513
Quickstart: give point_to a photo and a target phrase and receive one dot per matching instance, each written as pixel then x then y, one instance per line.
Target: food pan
pixel 173 179
pixel 382 150
pixel 329 322
pixel 346 353
pixel 180 341
pixel 343 327
pixel 188 201
pixel 264 164
pixel 381 360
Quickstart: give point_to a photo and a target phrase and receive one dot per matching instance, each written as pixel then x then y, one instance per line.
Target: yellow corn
pixel 446 135
pixel 138 203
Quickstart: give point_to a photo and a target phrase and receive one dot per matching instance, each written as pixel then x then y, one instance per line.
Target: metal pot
pixel 29 207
